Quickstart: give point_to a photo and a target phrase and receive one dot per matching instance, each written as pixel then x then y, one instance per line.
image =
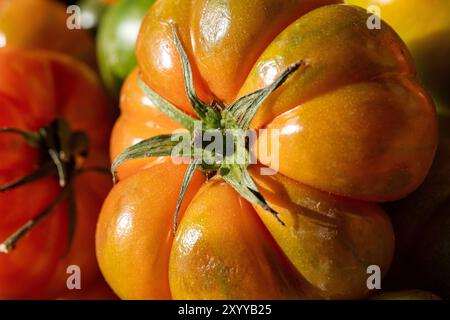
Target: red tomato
pixel 37 88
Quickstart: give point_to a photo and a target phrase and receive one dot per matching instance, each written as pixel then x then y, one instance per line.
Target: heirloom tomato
pixel 42 24
pixel 53 112
pixel 355 126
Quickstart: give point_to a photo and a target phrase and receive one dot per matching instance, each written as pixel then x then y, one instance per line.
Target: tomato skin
pixel 363 157
pixel 427 35
pixel 116 39
pixel 137 226
pixel 368 127
pixel 226 59
pixel 41 86
pixel 225 252
pixel 43 26
pixel 127 131
pixel 224 247
pixel 325 236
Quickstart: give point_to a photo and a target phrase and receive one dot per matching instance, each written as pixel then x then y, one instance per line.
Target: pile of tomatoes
pixel 92 90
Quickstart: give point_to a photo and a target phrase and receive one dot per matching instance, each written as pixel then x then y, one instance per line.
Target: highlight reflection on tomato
pixel 425 27
pixel 368 133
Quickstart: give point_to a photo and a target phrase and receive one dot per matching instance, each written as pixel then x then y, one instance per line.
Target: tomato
pixel 36 88
pixel 425 27
pixel 116 41
pixel 41 24
pixel 355 126
pixel 406 295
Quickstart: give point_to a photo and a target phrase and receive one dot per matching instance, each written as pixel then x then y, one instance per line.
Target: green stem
pixel 244 109
pixel 167 108
pixel 198 105
pixel 10 243
pixel 187 178
pixel 30 137
pixel 65 150
pixel 39 174
pixel 215 116
pixel 157 146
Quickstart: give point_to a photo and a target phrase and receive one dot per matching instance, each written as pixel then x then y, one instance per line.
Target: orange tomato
pixel 42 24
pixel 37 87
pixel 355 126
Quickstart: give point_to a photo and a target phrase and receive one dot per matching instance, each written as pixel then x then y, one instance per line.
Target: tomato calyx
pixel 216 119
pixel 63 152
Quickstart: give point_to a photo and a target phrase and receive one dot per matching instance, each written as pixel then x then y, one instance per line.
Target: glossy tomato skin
pixel 223 53
pixel 41 24
pixel 363 155
pixel 425 27
pixel 37 88
pixel 224 247
pixel 127 131
pixel 325 236
pixel 116 39
pixel 225 252
pixel 134 231
pixel 355 121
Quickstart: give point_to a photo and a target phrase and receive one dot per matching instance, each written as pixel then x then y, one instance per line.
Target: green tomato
pixel 116 40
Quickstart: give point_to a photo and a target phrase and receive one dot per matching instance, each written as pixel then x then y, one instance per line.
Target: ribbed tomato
pixel 354 125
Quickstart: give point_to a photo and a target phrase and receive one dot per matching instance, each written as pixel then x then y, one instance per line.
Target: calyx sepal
pixel 214 116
